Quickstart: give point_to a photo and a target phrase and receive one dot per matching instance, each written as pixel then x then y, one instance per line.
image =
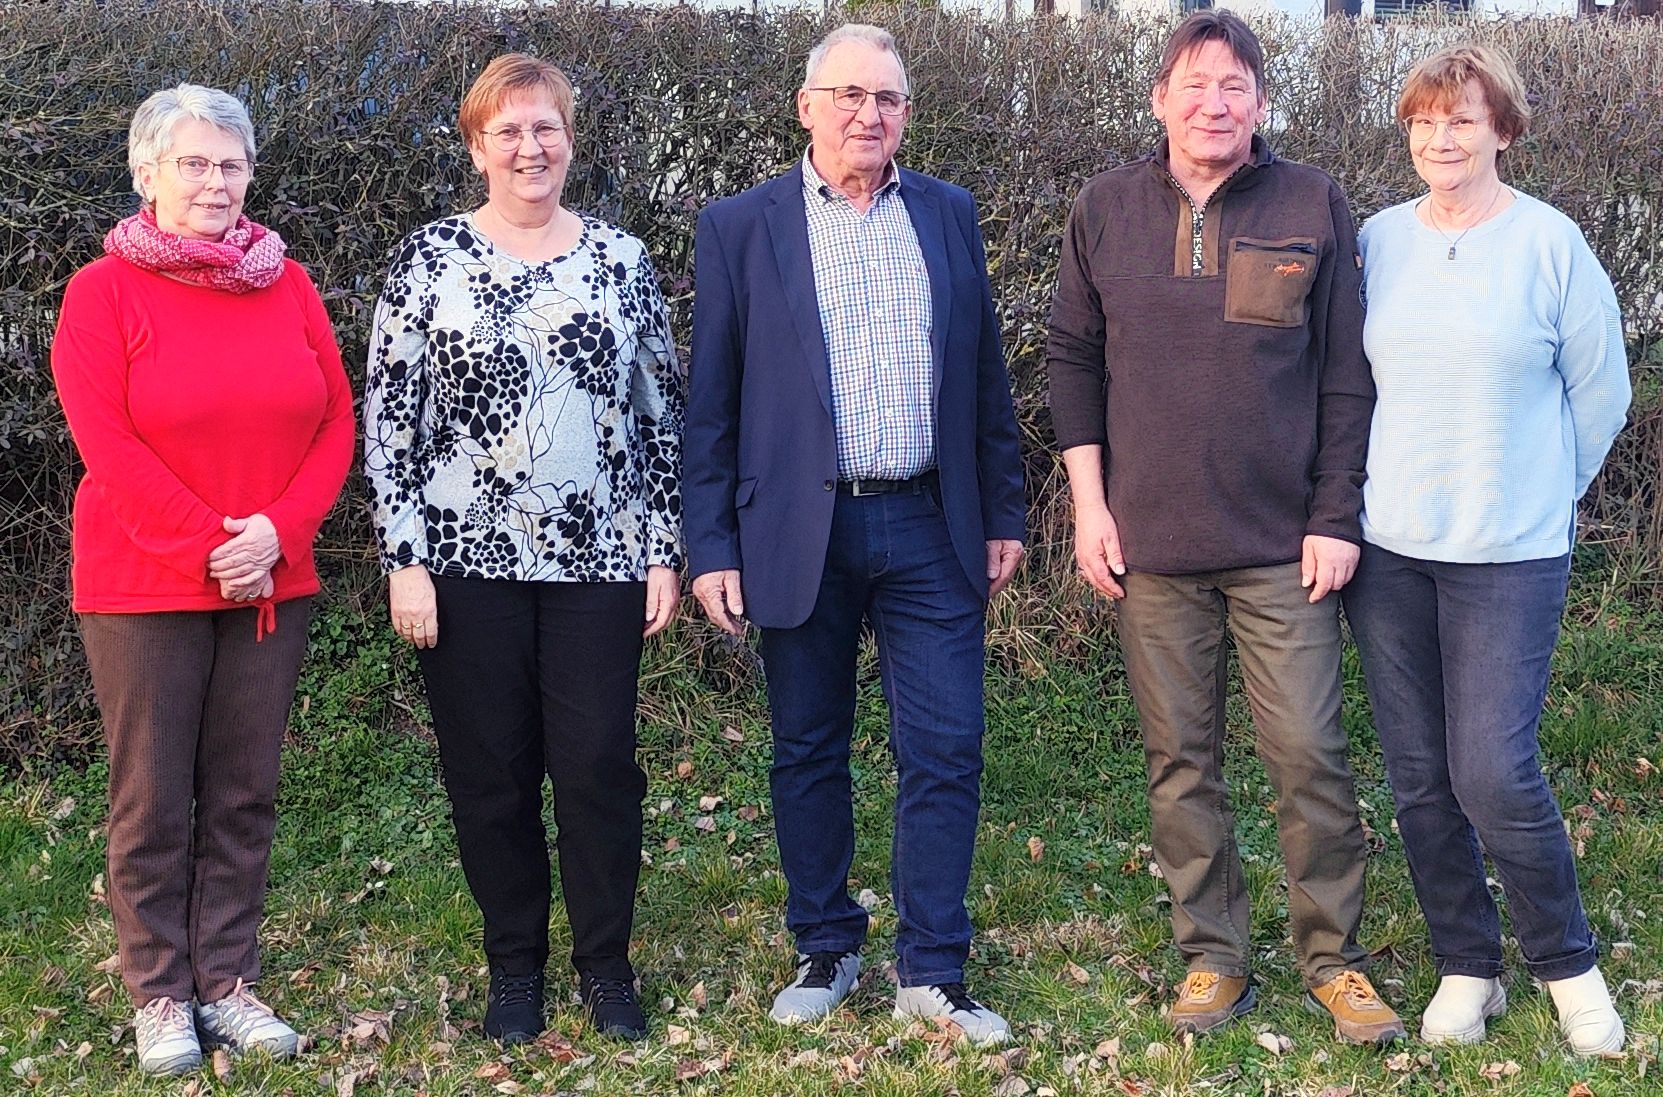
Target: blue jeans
pixel 889 562
pixel 1456 660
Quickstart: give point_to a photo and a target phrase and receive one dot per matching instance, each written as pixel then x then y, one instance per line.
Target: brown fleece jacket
pixel 1233 405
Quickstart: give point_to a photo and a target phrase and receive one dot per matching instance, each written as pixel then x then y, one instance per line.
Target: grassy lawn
pixel 371 940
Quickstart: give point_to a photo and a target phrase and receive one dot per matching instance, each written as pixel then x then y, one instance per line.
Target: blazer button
pixel 830 484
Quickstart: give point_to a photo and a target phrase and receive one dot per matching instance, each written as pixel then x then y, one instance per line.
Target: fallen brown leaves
pixel 688 1069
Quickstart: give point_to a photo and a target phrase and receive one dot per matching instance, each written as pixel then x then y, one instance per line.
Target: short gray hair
pixel 866 33
pixel 151 133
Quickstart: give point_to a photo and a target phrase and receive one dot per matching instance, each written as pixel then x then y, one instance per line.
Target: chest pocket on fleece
pixel 1267 281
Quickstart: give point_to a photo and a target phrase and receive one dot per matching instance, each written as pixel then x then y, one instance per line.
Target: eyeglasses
pixel 508 138
pixel 1420 128
pixel 852 97
pixel 198 168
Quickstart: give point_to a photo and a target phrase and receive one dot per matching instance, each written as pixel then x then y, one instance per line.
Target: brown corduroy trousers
pixel 194 714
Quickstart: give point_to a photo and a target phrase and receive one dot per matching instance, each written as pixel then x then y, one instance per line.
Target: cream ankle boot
pixel 1456 1014
pixel 1586 1015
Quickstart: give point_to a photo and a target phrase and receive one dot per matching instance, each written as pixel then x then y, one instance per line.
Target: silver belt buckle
pixel 854 489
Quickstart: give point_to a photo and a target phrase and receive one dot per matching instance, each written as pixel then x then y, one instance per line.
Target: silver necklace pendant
pixel 1452 251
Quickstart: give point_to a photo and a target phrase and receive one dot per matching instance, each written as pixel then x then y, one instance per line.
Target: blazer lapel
pixel 932 241
pixel 788 229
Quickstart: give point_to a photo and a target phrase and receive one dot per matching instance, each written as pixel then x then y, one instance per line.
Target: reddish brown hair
pixel 1439 80
pixel 508 76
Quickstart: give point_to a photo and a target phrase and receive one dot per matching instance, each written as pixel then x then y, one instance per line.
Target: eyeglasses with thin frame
pixel 1422 129
pixel 198 168
pixel 546 133
pixel 851 97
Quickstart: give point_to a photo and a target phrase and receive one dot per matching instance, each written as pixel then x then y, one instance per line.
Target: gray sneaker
pixel 980 1025
pixel 823 980
pixel 242 1023
pixel 166 1038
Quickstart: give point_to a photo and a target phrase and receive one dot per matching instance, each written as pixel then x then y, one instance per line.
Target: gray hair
pixel 151 133
pixel 865 33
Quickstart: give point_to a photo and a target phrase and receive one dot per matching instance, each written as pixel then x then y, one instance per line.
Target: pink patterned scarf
pixel 249 258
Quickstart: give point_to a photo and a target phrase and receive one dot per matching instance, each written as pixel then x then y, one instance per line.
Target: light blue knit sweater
pixel 1502 382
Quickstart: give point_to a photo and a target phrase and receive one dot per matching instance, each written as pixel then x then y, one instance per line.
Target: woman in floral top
pixel 523 417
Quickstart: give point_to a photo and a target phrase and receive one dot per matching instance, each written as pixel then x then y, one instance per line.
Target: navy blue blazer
pixel 760 452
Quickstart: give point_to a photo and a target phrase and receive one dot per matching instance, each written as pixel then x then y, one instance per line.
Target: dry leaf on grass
pixel 733 734
pixel 492 1072
pixel 1273 1042
pixel 748 813
pixel 706 823
pixel 1107 1049
pixel 1076 974
pixel 1036 848
pixel 676 1035
pixel 1337 1091
pixel 688 1069
pixel 709 803
pixel 1495 1072
pixel 557 1047
pixel 700 996
pixel 1579 1089
pixel 110 965
pixel 222 1064
pixel 684 770
pixel 1013 1085
pixel 371 1026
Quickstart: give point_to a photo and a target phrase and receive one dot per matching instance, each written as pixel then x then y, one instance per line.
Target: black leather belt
pixel 913 486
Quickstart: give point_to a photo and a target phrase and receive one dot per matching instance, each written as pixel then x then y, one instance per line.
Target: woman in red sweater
pixel 202 384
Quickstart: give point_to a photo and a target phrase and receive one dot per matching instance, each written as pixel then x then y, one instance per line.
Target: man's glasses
pixel 852 97
pixel 508 138
pixel 198 168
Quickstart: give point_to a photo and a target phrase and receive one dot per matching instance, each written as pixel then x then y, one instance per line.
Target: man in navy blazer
pixel 851 457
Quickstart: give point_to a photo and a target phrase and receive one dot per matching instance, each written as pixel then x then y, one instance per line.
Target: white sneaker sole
pixel 799 1016
pixel 1494 1006
pixel 989 1040
pixel 183 1063
pixel 278 1047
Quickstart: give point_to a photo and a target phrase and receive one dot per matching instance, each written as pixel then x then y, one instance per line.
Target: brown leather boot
pixel 1208 999
pixel 1360 1017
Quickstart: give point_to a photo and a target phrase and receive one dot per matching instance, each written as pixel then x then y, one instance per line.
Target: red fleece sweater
pixel 189 405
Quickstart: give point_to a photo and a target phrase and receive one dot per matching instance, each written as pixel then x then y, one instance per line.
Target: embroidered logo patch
pixel 1289 268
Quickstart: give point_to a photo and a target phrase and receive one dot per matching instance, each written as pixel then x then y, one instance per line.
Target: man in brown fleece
pixel 1212 402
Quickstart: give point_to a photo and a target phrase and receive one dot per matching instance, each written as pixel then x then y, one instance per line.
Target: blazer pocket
pixel 742 494
pixel 1267 281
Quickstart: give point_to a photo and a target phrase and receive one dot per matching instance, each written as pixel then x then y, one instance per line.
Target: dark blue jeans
pixel 889 562
pixel 1456 660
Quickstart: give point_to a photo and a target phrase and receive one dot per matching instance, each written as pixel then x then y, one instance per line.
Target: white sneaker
pixel 166 1038
pixel 1457 1012
pixel 1586 1015
pixel 242 1023
pixel 823 980
pixel 980 1025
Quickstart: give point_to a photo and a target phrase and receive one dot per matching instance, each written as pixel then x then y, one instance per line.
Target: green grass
pixel 371 941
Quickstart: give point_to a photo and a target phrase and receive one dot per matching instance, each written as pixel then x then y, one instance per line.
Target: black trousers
pixel 531 678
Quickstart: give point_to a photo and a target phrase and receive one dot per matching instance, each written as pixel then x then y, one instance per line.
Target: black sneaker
pixel 612 1004
pixel 514 1008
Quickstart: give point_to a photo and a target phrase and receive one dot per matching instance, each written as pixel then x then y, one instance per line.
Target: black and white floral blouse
pixel 523 420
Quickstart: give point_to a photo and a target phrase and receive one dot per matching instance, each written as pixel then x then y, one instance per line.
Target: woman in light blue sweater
pixel 1497 351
